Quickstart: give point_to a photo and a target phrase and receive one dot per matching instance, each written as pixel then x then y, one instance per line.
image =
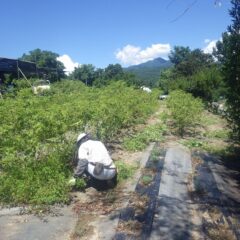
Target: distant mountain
pixel 148 73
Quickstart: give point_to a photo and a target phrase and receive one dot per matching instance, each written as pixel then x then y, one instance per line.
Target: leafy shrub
pixel 41 180
pixel 185 110
pixel 22 83
pixel 35 152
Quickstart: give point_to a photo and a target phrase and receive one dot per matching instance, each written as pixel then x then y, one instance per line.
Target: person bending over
pixel 93 159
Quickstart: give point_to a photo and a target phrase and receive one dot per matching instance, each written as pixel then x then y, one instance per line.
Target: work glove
pixel 72 181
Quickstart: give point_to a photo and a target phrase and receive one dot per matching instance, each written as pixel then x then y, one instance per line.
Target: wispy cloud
pixel 68 63
pixel 132 55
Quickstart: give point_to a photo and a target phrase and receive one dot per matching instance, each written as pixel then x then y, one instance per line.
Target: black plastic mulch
pixel 154 166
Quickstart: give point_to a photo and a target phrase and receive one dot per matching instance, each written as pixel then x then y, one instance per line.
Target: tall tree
pixel 179 54
pixel 189 62
pixel 195 72
pixel 228 53
pixel 47 63
pixel 84 73
pixel 114 71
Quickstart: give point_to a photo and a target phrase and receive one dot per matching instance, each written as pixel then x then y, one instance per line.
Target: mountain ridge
pixel 148 73
pixel 151 63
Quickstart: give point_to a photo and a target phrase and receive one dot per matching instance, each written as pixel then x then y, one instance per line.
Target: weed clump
pixel 141 140
pixel 125 171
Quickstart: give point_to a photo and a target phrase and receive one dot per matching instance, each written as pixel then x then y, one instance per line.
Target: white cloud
pixel 68 63
pixel 132 55
pixel 210 46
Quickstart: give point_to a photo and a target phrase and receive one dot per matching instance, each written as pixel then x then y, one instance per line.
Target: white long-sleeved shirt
pixel 95 152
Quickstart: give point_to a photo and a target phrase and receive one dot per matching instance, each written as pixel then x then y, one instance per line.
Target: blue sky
pixel 101 32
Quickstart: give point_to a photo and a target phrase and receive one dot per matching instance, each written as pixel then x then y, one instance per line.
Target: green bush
pixel 185 110
pixel 37 134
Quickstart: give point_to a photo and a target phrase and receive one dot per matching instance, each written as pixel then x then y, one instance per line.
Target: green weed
pixel 164 117
pixel 146 179
pixel 155 154
pixel 140 140
pixel 193 143
pixel 216 150
pixel 208 119
pixel 219 134
pixel 125 171
pixel 80 184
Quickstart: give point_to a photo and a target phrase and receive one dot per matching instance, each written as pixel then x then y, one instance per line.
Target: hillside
pixel 149 72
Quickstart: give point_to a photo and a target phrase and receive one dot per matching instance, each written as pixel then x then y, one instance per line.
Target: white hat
pixel 80 136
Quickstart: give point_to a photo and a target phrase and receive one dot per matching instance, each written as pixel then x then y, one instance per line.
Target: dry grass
pixel 104 203
pixel 221 233
pixel 194 189
pixel 216 225
pixel 139 203
pixel 130 227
